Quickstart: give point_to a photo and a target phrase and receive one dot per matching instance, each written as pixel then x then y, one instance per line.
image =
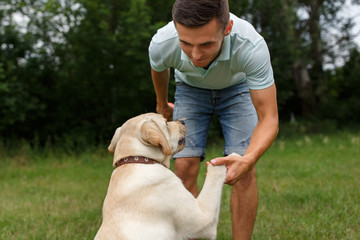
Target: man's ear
pixel 114 140
pixel 229 27
pixel 151 134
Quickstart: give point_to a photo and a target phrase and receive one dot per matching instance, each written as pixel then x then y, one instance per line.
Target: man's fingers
pixel 216 161
pixel 219 161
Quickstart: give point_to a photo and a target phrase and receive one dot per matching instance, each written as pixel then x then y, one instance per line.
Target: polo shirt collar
pixel 225 49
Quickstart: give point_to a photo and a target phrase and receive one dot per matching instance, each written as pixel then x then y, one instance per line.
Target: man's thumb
pixel 218 161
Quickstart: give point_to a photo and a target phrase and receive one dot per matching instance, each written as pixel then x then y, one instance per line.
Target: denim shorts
pixel 233 107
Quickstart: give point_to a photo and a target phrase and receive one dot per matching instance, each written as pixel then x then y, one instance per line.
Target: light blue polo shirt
pixel 244 57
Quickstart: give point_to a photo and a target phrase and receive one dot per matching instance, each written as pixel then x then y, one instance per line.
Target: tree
pixel 321 29
pixel 80 68
pixel 301 39
pixel 85 66
pixel 17 103
pixel 343 101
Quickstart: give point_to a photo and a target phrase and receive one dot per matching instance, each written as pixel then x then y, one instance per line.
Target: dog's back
pixel 140 204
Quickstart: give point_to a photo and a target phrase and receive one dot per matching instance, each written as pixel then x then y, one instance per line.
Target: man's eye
pixel 185 43
pixel 206 44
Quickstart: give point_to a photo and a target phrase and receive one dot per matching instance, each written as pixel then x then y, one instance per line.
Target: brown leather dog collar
pixel 143 160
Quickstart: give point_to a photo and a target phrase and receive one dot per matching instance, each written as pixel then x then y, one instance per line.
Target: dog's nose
pixel 182 122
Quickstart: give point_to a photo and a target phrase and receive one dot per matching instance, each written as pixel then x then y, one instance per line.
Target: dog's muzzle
pixel 181 141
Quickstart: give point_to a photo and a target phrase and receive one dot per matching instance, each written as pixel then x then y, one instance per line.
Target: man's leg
pixel 187 169
pixel 193 106
pixel 238 119
pixel 244 202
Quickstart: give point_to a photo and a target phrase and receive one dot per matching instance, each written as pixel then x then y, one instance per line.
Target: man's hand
pixel 165 110
pixel 237 166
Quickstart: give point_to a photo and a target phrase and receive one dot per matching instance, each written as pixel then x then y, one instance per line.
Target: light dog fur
pixel 148 201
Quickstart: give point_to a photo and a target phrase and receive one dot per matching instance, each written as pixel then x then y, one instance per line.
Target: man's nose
pixel 196 53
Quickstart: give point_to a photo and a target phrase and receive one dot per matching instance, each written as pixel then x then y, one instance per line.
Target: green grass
pixel 308 189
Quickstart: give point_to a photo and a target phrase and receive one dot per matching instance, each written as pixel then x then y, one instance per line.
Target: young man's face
pixel 202 45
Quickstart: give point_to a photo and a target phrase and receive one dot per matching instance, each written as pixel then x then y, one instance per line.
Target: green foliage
pixel 16 101
pixel 84 80
pixel 342 100
pixel 79 68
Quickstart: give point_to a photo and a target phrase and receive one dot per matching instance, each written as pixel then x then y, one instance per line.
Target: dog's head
pixel 148 135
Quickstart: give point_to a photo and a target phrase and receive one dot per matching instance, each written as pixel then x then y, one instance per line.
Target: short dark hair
pixel 197 13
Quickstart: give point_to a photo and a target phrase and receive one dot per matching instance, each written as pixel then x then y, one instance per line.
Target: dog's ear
pixel 150 133
pixel 114 140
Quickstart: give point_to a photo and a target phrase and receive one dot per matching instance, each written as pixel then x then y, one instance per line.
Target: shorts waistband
pixel 185 84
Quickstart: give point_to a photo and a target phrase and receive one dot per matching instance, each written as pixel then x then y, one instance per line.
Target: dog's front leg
pixel 209 200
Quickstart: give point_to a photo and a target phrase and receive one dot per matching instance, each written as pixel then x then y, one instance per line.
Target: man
pixel 222 66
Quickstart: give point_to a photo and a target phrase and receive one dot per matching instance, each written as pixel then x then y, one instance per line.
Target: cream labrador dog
pixel 146 200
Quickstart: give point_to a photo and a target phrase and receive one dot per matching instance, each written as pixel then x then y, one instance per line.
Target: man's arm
pixel 262 137
pixel 161 85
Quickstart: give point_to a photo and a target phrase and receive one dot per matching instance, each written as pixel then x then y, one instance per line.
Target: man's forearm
pixel 263 136
pixel 267 127
pixel 161 85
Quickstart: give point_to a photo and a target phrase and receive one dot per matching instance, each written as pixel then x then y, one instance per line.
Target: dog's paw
pixel 234 154
pixel 219 171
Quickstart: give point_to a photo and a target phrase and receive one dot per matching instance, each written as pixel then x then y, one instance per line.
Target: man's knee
pixel 187 167
pixel 248 181
pixel 187 170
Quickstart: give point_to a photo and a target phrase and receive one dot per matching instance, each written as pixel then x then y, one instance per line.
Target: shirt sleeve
pixel 156 61
pixel 257 66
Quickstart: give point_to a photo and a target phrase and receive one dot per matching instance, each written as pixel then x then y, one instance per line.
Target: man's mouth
pixel 199 60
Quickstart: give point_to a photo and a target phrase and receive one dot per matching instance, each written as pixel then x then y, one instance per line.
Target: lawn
pixel 308 189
